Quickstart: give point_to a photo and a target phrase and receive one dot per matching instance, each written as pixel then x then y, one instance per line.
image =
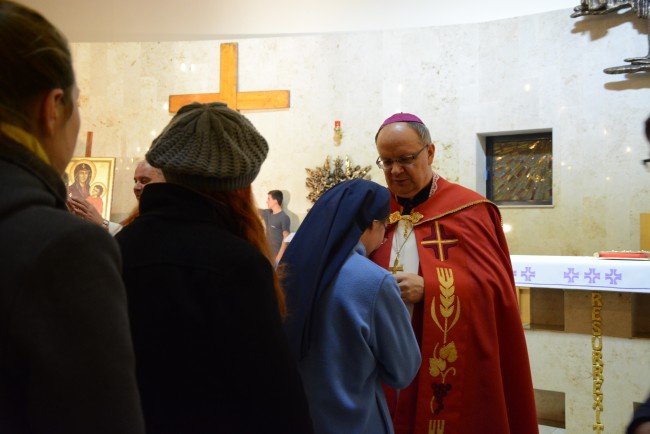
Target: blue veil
pixel 321 245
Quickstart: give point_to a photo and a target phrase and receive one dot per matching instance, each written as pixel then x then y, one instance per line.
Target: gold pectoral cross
pixel 396 267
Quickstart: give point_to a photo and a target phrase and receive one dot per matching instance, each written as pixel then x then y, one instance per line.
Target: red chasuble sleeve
pixel 475 373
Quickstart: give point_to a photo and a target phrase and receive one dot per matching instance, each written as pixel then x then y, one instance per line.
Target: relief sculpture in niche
pixel 602 7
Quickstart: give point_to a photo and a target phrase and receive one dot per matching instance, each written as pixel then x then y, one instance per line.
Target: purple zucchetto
pixel 401 117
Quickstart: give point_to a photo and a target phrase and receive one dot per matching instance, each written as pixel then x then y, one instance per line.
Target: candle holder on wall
pixel 602 7
pixel 338 134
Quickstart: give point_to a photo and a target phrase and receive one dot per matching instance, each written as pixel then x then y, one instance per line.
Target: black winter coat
pixel 641 416
pixel 211 353
pixel 66 359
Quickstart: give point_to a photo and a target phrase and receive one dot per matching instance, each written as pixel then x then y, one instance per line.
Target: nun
pixel 346 324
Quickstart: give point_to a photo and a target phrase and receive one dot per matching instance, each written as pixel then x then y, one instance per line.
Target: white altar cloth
pixel 581 273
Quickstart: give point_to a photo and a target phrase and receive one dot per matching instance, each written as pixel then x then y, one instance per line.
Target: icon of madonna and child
pixel 86 181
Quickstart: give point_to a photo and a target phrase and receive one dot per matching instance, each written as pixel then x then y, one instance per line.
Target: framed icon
pixel 91 179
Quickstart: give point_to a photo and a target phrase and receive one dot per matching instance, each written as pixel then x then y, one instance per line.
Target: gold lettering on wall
pixel 597 363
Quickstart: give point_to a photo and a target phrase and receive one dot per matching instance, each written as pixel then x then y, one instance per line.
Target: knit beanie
pixel 209 147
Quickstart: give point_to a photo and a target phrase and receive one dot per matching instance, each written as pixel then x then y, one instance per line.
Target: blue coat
pixel 362 337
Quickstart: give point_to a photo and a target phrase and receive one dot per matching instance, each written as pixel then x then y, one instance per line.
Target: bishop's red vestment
pixel 475 374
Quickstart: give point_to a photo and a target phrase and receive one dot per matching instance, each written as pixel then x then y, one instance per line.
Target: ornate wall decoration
pixel 321 179
pixel 520 169
pixel 602 7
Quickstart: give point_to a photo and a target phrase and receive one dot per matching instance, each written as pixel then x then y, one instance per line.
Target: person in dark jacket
pixel 66 357
pixel 640 423
pixel 204 301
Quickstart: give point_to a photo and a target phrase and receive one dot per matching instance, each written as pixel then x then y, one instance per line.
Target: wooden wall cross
pixel 228 92
pixel 89 144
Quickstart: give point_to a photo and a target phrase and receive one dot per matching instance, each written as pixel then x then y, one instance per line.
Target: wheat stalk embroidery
pixel 438 364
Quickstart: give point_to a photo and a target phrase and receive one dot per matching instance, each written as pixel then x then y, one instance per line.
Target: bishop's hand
pixel 411 287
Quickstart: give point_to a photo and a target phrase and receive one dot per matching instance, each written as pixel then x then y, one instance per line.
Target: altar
pixel 587 326
pixel 589 273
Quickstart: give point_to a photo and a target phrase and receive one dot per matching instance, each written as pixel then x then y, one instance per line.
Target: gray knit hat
pixel 209 146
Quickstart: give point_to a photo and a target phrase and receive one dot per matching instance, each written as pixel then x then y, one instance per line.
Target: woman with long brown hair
pixel 204 301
